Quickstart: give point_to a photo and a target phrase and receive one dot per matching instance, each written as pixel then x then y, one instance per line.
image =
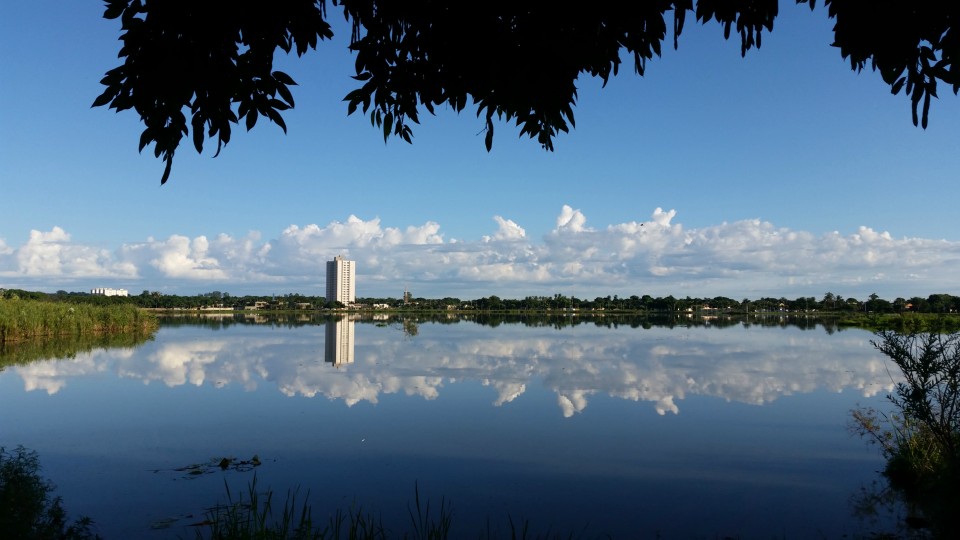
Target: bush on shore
pixel 921 439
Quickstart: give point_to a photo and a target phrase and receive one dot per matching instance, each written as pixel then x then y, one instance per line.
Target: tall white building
pixel 341 281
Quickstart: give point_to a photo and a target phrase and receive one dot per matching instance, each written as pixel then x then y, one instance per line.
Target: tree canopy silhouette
pixel 206 66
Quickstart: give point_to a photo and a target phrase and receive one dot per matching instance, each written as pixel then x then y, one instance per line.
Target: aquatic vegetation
pixel 22 319
pixel 921 440
pixel 254 518
pixel 28 509
pixel 195 470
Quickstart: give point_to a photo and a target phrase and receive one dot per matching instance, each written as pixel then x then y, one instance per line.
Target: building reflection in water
pixel 338 349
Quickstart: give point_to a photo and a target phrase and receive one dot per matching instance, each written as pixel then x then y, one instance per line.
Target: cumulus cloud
pixel 570 220
pixel 181 257
pixel 53 255
pixel 507 230
pixel 4 248
pixel 657 256
pixel 356 233
pixel 200 259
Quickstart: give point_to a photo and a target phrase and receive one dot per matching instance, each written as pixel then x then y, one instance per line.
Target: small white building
pixel 109 292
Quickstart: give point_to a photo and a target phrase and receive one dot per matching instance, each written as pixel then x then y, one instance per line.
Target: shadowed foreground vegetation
pixel 921 439
pixel 28 509
pixel 256 518
pixel 24 319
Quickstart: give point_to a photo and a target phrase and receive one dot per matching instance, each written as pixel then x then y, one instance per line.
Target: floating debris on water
pixel 222 463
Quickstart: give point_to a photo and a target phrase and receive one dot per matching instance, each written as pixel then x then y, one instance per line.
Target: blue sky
pixel 783 174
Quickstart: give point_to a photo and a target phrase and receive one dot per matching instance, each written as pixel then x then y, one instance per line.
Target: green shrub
pixel 921 440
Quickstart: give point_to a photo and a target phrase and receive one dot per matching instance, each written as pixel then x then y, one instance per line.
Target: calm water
pixel 681 431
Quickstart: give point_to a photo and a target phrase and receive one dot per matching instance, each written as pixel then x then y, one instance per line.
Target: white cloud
pixel 657 256
pixel 507 230
pixel 199 259
pixel 4 248
pixel 42 254
pixel 570 220
pixel 357 234
pixel 51 255
pixel 180 257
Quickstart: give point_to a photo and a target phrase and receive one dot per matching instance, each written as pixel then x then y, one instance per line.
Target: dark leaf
pixel 895 89
pixel 198 133
pixel 166 170
pixel 277 119
pixel 387 125
pixel 276 104
pixel 145 139
pixel 285 94
pixel 114 9
pixel 105 97
pixel 284 78
pixel 488 139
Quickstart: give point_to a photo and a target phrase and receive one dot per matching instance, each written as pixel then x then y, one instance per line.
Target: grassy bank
pixel 22 320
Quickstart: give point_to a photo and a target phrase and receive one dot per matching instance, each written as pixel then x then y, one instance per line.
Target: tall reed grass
pixel 255 518
pixel 22 320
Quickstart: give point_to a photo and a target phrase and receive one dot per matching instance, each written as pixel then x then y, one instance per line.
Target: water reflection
pixel 339 342
pixel 65 347
pixel 551 419
pixel 660 365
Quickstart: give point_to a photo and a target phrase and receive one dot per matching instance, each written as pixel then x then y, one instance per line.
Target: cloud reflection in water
pixel 657 365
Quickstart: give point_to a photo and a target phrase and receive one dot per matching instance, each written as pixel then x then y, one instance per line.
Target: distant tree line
pixel 830 302
pixel 158 300
pixel 935 303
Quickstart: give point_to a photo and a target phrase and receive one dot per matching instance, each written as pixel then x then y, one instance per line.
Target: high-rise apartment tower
pixel 341 281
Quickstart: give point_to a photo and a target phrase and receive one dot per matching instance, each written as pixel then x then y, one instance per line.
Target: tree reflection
pixel 23 353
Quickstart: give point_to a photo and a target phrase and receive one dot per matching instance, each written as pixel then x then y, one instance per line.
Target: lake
pixel 627 427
